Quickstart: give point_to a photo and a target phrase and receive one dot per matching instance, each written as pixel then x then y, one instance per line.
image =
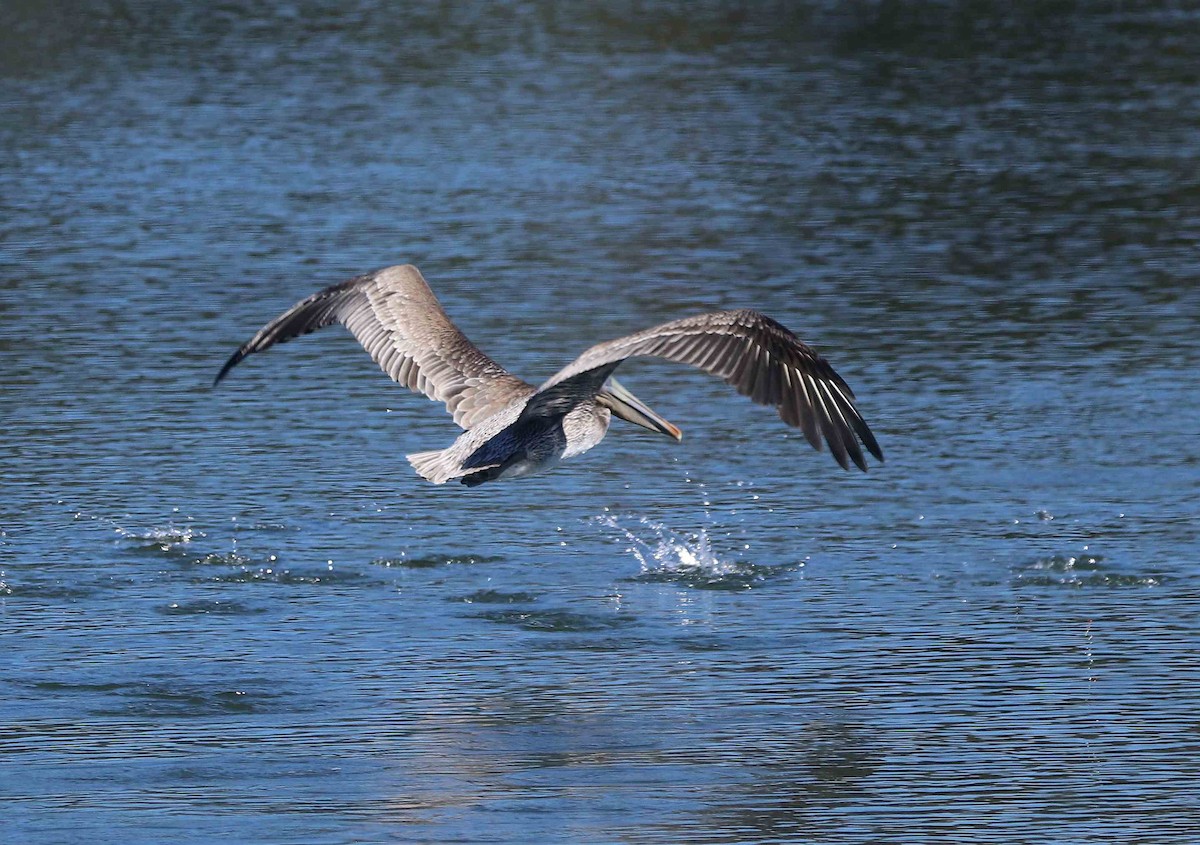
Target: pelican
pixel 513 429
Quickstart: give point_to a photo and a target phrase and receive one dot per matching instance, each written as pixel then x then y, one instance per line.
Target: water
pixel 237 615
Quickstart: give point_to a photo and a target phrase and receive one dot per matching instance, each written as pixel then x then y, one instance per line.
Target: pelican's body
pixel 513 429
pixel 497 448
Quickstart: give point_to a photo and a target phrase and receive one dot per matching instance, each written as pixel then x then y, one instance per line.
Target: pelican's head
pixel 631 409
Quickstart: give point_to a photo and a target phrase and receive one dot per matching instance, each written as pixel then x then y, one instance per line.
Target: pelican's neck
pixel 585 425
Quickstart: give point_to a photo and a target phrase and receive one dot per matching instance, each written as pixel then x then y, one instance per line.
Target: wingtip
pixel 229 365
pixel 876 452
pixel 860 460
pixel 868 440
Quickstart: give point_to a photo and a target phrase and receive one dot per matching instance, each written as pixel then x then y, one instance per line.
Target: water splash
pixel 164 538
pixel 171 536
pixel 666 555
pixel 664 549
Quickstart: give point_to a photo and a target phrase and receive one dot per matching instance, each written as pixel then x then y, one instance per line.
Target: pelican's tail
pixel 443 465
pixel 438 466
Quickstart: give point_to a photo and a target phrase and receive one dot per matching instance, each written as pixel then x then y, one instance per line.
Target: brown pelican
pixel 513 428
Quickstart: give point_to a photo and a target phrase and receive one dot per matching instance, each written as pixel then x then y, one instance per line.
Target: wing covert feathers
pixel 758 357
pixel 397 319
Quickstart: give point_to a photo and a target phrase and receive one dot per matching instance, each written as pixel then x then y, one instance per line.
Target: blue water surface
pixel 237 615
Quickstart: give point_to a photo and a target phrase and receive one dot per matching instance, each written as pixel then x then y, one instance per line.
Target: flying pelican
pixel 514 429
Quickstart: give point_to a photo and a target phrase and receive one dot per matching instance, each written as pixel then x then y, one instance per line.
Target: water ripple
pixel 558 621
pixel 496 597
pixel 1082 570
pixel 434 561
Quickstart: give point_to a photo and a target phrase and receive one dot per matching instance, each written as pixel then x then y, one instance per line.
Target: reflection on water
pixel 237 615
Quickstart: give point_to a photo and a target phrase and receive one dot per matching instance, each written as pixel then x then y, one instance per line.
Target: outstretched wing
pixel 397 319
pixel 749 350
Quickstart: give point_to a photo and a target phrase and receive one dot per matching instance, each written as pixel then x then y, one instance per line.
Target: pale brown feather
pixel 398 320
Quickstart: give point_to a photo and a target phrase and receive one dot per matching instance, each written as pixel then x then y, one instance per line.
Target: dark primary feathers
pixel 749 350
pixel 397 319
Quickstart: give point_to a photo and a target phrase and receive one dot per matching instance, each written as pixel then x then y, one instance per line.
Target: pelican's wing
pixel 395 316
pixel 752 352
